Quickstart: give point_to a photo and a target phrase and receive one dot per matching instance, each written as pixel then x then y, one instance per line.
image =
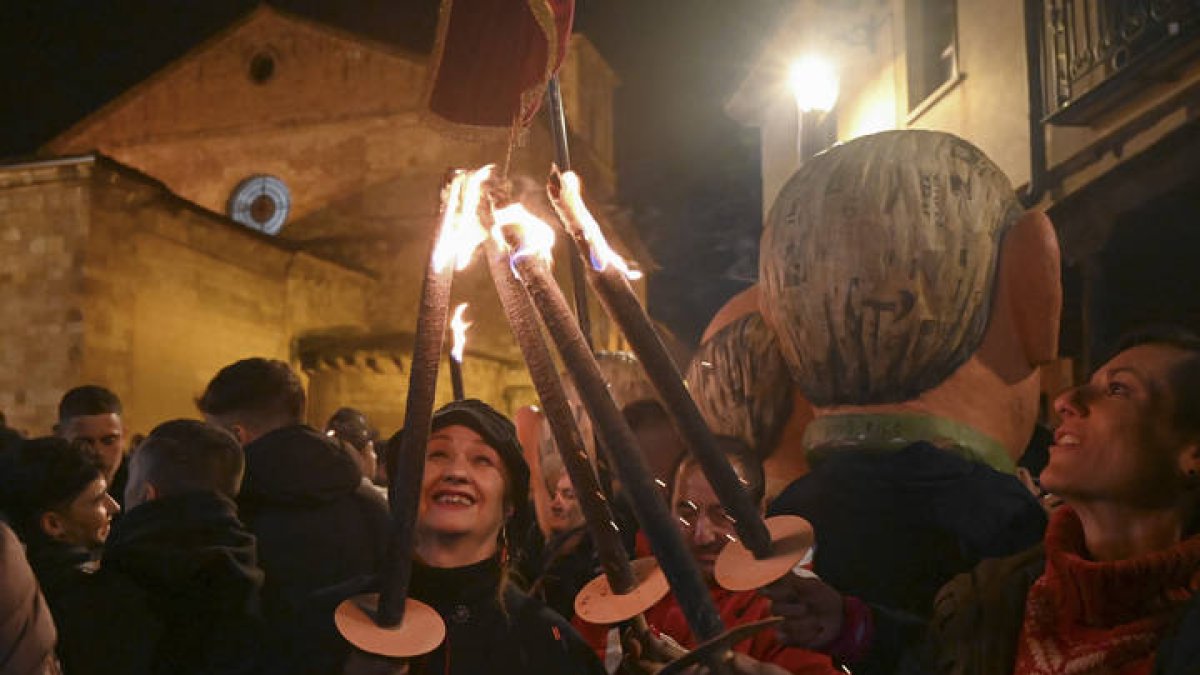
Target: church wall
pixel 43 225
pixel 176 291
pixel 174 294
pixel 377 384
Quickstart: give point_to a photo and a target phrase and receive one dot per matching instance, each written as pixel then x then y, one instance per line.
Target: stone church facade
pixel 269 194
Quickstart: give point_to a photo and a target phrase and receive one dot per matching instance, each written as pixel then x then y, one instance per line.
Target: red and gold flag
pixel 493 58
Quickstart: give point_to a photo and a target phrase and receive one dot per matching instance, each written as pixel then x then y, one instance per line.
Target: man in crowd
pixel 352 428
pixel 58 499
pixel 568 560
pixel 56 496
pixel 92 415
pixel 707 528
pixel 182 544
pixel 321 531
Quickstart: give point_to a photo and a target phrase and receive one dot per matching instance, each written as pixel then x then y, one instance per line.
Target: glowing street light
pixel 814 85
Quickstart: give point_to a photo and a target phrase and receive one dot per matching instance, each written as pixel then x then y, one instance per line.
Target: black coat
pixel 322 534
pixel 197 565
pixel 893 527
pixel 104 622
pixel 177 591
pixel 484 634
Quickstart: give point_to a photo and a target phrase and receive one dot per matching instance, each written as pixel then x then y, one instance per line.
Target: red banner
pixel 493 59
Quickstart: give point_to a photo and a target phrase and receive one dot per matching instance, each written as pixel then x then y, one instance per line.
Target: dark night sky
pixel 688 173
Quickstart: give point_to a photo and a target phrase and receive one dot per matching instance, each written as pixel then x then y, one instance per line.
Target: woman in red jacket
pixel 707 528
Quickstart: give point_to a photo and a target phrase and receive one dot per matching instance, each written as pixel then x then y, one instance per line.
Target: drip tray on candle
pixel 421 631
pixel 791 540
pixel 597 603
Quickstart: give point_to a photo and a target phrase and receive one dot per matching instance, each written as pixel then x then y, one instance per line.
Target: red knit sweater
pixel 1089 618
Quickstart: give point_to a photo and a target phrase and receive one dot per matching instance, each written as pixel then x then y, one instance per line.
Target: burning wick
pixel 600 254
pixel 610 280
pixel 524 232
pixel 529 240
pixel 459 328
pixel 598 516
pixel 461 232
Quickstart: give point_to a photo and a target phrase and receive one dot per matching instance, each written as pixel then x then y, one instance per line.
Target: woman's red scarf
pixel 1086 618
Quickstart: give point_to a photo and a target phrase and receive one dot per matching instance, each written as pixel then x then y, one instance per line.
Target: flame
pixel 599 251
pixel 461 231
pixel 459 328
pixel 534 236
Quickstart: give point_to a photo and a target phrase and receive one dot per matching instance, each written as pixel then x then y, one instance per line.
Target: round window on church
pixel 261 203
pixel 262 67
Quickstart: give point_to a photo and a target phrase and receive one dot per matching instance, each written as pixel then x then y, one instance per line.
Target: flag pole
pixel 579 285
pixel 562 158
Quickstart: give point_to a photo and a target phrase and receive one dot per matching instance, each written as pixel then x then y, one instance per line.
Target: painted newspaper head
pixel 741 385
pixel 878 263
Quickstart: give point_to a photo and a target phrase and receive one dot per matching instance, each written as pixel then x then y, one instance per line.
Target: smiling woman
pixel 1121 559
pixel 1113 586
pixel 475 491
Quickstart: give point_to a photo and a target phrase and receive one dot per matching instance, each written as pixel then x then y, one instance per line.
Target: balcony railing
pixel 1098 49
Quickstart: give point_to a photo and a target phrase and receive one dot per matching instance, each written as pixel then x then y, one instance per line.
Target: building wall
pixel 377 384
pixel 43 229
pixel 171 290
pixel 988 105
pixel 123 284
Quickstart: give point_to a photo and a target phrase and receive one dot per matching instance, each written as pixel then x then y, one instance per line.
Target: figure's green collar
pixel 894 431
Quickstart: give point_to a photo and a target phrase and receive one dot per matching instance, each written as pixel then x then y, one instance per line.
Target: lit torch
pixel 529 241
pixel 459 328
pixel 392 624
pixel 624 590
pixel 775 548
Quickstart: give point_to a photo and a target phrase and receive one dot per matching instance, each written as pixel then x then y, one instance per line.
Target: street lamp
pixel 814 85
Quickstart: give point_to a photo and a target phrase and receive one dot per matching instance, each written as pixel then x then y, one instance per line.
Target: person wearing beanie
pixel 475 493
pixel 351 427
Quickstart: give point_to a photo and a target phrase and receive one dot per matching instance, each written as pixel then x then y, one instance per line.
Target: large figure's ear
pixel 1029 286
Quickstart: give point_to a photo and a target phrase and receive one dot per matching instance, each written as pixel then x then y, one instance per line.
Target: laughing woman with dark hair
pixel 1113 587
pixel 474 493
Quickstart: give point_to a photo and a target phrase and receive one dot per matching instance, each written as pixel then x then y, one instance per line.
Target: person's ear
pixel 1189 463
pixel 52 524
pixel 240 433
pixel 1029 285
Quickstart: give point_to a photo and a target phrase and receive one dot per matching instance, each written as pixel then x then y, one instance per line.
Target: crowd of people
pixel 225 544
